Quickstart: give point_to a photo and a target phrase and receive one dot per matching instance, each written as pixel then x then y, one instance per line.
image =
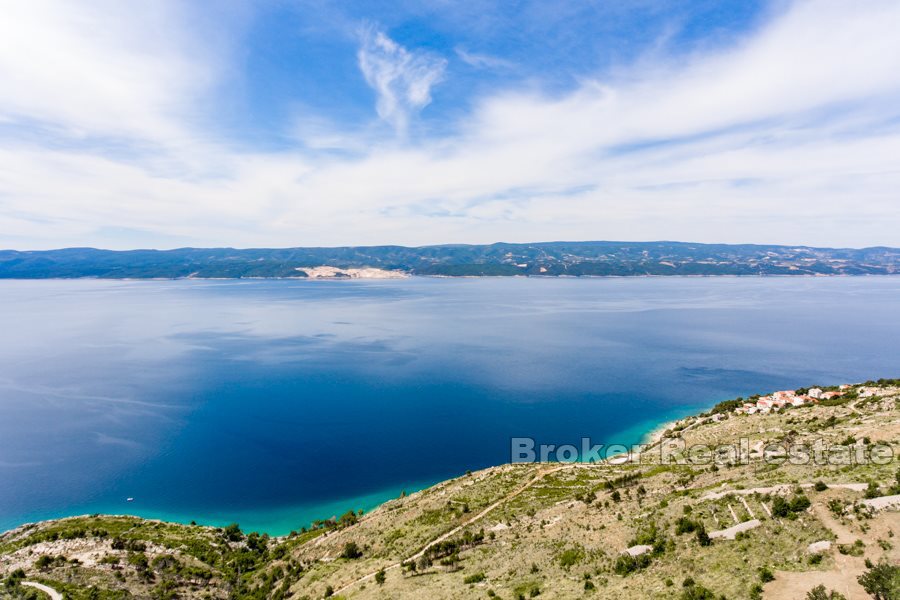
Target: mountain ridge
pixel 545 259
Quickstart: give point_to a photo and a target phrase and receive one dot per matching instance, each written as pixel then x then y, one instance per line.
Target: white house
pixel 783 396
pixel 765 402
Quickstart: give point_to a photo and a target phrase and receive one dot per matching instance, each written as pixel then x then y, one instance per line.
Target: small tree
pixel 233 533
pixel 693 591
pixel 882 581
pixel 347 519
pixel 836 507
pixel 780 507
pixel 872 491
pixel 799 503
pixel 820 593
pixel 380 576
pixel 351 551
pixel 702 536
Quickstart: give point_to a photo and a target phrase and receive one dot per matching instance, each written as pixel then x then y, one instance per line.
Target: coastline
pixel 280 521
pixel 274 521
pixel 517 276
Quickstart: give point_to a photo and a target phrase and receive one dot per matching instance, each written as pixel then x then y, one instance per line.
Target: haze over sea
pixel 272 402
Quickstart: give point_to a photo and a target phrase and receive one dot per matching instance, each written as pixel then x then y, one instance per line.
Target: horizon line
pixel 454 244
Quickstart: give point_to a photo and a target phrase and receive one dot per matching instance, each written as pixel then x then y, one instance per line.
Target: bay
pixel 275 402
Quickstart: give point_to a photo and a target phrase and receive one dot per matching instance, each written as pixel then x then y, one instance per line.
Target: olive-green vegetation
pixel 549 530
pixel 546 259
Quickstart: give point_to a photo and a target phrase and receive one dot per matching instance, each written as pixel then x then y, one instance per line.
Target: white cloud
pixel 99 68
pixel 790 136
pixel 482 61
pixel 402 79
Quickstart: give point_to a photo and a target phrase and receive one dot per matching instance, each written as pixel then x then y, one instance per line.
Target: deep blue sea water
pixel 272 403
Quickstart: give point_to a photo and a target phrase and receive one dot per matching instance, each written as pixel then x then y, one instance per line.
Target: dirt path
pixel 791 585
pixel 538 477
pixel 781 489
pixel 842 577
pixel 841 531
pixel 54 595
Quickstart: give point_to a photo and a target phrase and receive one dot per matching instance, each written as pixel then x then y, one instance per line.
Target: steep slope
pixel 758 521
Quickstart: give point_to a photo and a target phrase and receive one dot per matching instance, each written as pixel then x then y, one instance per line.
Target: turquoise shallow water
pixel 273 403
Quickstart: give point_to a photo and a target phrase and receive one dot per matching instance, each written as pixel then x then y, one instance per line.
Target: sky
pixel 281 123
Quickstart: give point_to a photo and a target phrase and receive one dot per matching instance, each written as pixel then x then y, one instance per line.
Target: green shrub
pixel 789 509
pixel 626 564
pixel 836 507
pixel 872 491
pixel 703 537
pixel 233 533
pixel 855 549
pixel 820 593
pixel 351 551
pixel 685 525
pixel 695 591
pixel 570 557
pixel 882 581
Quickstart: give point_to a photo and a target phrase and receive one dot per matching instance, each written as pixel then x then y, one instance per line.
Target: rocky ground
pixel 698 518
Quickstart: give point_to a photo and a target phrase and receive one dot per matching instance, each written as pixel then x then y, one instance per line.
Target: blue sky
pixel 286 123
pixel 303 55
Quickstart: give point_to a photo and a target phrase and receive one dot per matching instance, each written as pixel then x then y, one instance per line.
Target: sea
pixel 273 403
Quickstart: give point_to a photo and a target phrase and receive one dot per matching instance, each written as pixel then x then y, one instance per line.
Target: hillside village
pixel 632 530
pixel 779 400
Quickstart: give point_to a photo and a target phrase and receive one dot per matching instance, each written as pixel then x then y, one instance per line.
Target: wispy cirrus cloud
pixel 402 78
pixel 482 61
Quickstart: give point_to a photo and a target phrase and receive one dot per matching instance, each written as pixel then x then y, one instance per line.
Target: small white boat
pixel 129 499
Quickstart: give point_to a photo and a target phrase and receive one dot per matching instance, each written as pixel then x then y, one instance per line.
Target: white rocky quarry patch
pixel 883 503
pixel 638 550
pixel 363 273
pixel 731 532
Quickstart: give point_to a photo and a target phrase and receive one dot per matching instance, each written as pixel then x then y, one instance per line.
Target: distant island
pixel 544 259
